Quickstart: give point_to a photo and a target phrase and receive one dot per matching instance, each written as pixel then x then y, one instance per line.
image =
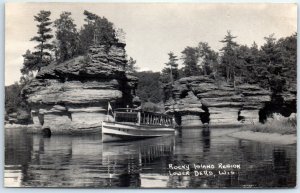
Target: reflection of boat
pixel 153 148
pixel 134 156
pixel 131 124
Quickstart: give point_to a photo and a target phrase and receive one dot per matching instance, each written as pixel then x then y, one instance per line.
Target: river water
pixel 84 161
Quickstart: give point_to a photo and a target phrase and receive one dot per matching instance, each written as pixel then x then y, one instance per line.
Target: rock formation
pixel 197 100
pixel 73 96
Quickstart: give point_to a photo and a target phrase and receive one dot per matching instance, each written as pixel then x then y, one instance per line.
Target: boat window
pixel 149 118
pixel 126 117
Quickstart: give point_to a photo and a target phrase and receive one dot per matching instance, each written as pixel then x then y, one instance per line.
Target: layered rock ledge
pixel 198 100
pixel 72 96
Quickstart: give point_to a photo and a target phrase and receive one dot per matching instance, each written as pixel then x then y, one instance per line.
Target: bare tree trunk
pixel 227 74
pixel 171 75
pixel 204 70
pixel 233 79
pixel 41 56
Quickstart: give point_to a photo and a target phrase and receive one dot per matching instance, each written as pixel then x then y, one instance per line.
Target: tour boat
pixel 131 124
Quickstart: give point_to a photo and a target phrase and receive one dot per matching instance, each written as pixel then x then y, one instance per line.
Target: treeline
pixel 66 41
pixel 16 110
pixel 149 90
pixel 272 66
pixel 12 98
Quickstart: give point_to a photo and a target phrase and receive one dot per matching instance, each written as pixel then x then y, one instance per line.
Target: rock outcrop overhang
pixel 199 99
pixel 72 97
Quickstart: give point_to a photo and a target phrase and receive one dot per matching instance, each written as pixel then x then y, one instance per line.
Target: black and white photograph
pixel 150 95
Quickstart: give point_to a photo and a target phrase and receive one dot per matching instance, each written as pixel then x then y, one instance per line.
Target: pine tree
pixel 170 72
pixel 252 64
pixel 43 36
pixel 288 59
pixel 269 52
pixel 229 57
pixel 97 30
pixel 67 37
pixel 190 61
pixel 173 66
pixel 268 72
pixel 30 63
pixel 207 58
pixel 280 57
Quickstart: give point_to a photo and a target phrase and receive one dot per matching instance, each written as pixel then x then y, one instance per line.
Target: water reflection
pixel 83 161
pixel 126 161
pixel 206 140
pixel 18 147
pixel 281 166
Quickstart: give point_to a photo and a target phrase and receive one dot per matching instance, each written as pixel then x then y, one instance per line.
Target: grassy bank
pixel 277 124
pixel 277 130
pixel 274 138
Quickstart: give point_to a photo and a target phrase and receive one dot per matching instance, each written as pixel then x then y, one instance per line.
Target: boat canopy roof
pixel 126 110
pixel 132 110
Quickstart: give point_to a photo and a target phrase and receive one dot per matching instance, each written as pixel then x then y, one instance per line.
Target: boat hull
pixel 112 131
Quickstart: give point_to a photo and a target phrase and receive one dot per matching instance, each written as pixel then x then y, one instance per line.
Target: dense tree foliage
pixel 30 63
pixel 170 73
pixel 272 66
pixel 97 30
pixel 42 56
pixel 68 41
pixel 149 86
pixel 190 61
pixel 229 58
pixel 12 98
pixel 208 59
pixel 67 37
pixel 16 109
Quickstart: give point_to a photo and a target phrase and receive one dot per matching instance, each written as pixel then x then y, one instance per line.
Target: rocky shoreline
pixel 73 96
pixel 272 138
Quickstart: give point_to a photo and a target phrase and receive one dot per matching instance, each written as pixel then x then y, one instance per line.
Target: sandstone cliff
pixel 199 99
pixel 72 96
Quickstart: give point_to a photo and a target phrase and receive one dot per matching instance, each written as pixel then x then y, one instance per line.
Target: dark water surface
pixel 83 161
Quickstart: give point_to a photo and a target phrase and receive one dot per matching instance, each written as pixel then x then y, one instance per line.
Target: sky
pixel 153 29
